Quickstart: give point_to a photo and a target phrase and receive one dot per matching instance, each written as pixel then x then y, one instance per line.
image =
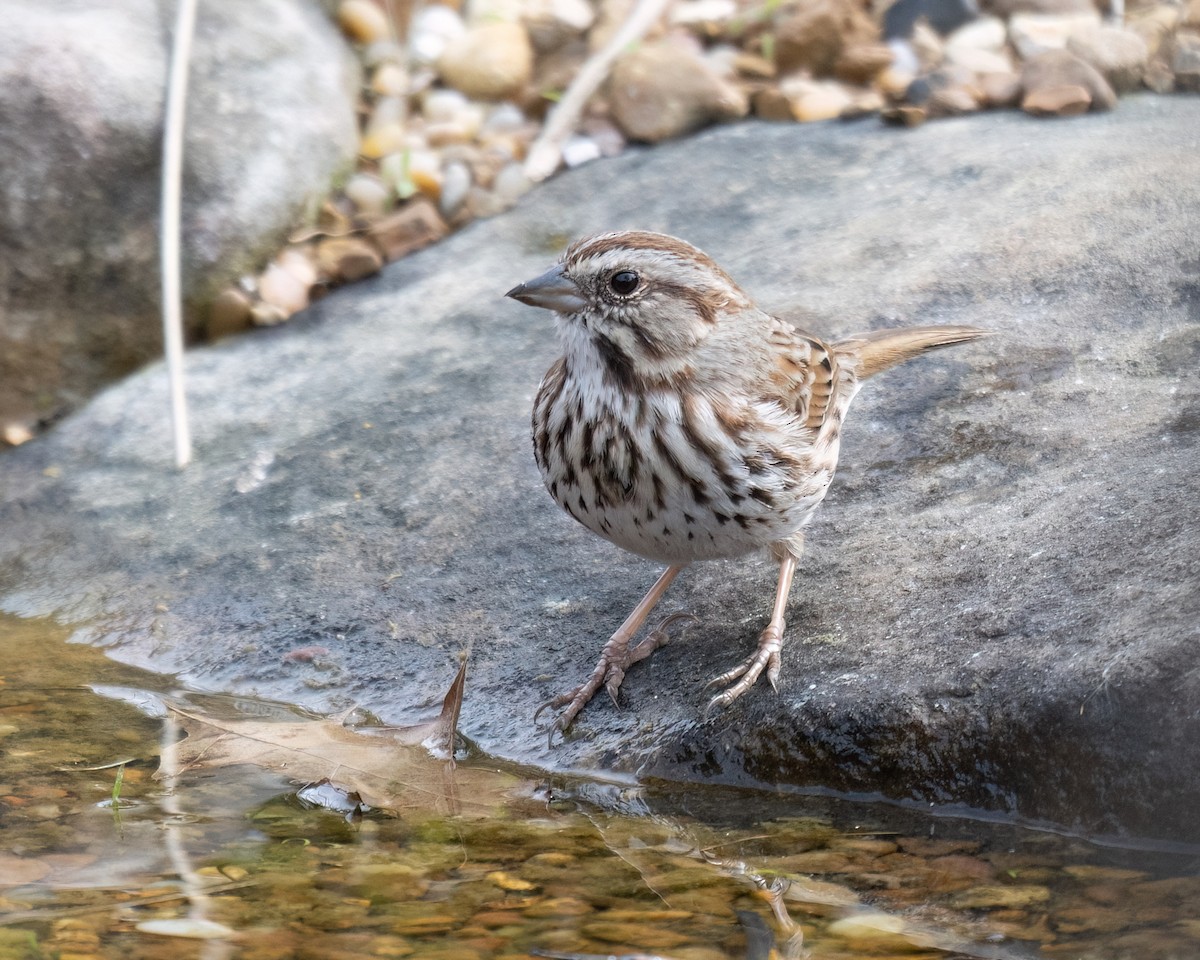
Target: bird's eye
pixel 624 283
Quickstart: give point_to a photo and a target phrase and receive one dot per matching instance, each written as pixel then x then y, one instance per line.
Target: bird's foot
pixel 742 677
pixel 615 659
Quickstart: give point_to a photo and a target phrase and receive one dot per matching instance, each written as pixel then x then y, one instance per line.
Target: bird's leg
pixel 616 657
pixel 769 645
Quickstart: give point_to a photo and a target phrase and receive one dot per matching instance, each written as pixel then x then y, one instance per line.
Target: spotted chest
pixel 677 477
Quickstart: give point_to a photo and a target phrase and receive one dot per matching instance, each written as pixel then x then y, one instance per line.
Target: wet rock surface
pixel 999 606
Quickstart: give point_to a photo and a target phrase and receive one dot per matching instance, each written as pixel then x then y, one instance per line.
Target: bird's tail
pixel 881 350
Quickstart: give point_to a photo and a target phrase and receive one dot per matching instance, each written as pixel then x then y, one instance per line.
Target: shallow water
pixel 481 862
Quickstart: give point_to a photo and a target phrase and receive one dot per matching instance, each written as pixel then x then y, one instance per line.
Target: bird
pixel 683 423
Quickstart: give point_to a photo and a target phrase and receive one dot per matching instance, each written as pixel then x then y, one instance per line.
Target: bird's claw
pixel 742 677
pixel 609 672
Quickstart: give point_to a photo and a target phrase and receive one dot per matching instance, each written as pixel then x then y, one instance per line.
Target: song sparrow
pixel 683 423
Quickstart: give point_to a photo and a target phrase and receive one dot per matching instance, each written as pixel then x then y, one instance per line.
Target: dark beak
pixel 552 290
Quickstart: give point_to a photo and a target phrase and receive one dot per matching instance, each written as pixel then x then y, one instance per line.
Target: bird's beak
pixel 552 290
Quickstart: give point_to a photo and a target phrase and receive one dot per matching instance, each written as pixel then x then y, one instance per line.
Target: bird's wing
pixel 803 372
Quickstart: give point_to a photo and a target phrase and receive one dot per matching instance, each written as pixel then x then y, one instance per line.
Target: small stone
pixel 376 54
pixel 926 47
pixel 753 66
pixel 415 225
pixel 15 434
pixel 559 907
pixel 814 36
pixel 703 13
pixel 348 258
pixel 906 115
pixel 952 102
pixel 771 104
pixel 434 26
pixel 1000 90
pixel 1155 25
pixel 989 897
pixel 456 181
pixel 1032 33
pixel 229 313
pixel 580 150
pixel 1065 101
pixel 862 62
pixel 187 928
pixel 1185 62
pixel 1058 83
pixel 661 90
pixel 511 184
pixel 873 931
pixel 1120 55
pixel 982 62
pixel 368 193
pixel 986 33
pixel 491 61
pixel 1159 77
pixel 817 100
pixel 363 21
pixel 389 80
pixel 1091 873
pixel 267 315
pixel 647 936
pixel 552 24
pixel 283 289
pixel 384 132
pixel 506 881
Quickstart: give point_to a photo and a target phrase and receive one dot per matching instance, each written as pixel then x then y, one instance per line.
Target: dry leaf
pixel 391 768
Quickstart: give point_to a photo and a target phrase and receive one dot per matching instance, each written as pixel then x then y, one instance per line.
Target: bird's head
pixel 643 301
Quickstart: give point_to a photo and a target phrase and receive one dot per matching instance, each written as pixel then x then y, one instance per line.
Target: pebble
pixel 456 181
pixel 1032 33
pixel 579 150
pixel 646 936
pixel 348 258
pixel 813 36
pixel 1186 62
pixel 873 931
pixel 14 434
pixel 662 90
pixel 988 896
pixel 188 928
pixel 434 26
pixel 863 62
pixel 415 225
pixel 390 80
pixel 281 288
pixel 1058 83
pixel 491 61
pixel 363 21
pixel 511 184
pixel 369 194
pixel 554 23
pixel 1119 55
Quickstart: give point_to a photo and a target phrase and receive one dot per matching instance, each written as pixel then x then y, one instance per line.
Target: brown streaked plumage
pixel 682 423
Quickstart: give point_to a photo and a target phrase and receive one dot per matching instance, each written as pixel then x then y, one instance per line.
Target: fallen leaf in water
pixel 391 768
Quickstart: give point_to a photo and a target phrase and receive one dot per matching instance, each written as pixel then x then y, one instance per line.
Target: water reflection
pixel 563 869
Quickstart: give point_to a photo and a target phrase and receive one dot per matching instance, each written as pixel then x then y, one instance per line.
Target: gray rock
pixel 1002 600
pixel 664 90
pixel 270 121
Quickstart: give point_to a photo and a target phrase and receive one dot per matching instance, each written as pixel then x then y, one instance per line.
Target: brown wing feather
pixel 805 373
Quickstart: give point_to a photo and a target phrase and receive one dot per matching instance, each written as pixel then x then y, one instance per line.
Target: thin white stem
pixel 546 152
pixel 169 239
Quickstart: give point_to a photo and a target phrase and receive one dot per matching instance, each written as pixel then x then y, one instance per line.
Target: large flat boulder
pixel 1001 603
pixel 270 123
